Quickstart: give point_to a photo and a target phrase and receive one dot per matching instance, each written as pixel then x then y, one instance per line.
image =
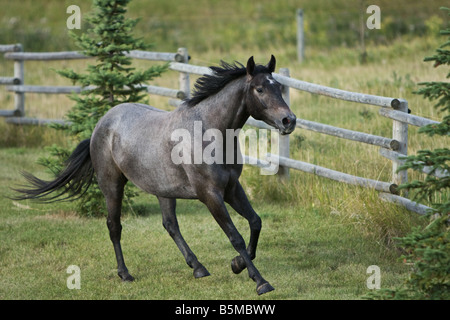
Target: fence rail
pixel 10 47
pixel 338 176
pixel 161 91
pixel 349 134
pixel 337 93
pixel 70 55
pixel 393 108
pixel 406 117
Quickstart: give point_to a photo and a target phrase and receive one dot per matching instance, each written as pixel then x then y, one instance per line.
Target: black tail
pixel 72 182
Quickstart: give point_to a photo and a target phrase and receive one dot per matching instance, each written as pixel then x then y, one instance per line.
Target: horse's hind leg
pixel 112 186
pixel 170 223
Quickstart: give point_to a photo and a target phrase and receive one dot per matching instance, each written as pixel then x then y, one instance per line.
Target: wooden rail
pixel 337 175
pixel 406 117
pixel 349 134
pixel 70 55
pixel 337 93
pixel 408 204
pixel 161 91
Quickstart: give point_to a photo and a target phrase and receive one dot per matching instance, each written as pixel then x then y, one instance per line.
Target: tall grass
pixel 219 25
pixel 349 205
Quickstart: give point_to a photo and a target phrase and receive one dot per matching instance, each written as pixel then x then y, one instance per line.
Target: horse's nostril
pixel 289 121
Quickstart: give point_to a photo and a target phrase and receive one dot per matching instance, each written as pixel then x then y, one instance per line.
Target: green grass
pixel 305 250
pixel 227 25
pixel 318 236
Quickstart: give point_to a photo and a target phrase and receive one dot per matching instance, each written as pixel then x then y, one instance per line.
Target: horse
pixel 132 142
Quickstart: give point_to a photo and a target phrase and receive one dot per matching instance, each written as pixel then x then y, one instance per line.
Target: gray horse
pixel 134 142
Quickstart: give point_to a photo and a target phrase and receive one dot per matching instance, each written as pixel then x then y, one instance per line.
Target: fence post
pixel 19 97
pixel 184 76
pixel 300 36
pixel 400 133
pixel 283 171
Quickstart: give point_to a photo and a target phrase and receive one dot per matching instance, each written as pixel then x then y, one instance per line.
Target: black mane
pixel 208 85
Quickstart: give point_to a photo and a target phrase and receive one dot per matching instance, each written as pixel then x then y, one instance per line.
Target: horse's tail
pixel 73 181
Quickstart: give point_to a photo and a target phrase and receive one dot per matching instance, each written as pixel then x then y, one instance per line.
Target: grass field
pixel 305 252
pixel 319 236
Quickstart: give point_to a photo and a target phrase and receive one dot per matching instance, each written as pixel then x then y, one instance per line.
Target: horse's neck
pixel 226 109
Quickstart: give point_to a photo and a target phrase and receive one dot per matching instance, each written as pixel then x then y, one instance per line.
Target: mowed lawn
pixel 304 252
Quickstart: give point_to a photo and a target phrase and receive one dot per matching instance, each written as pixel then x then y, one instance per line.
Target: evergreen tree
pixel 428 249
pixel 110 81
pixel 437 159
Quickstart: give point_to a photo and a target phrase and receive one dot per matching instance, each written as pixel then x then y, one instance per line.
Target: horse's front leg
pixel 238 200
pixel 216 205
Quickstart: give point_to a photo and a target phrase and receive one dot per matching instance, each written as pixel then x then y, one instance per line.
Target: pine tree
pixel 437 159
pixel 428 249
pixel 110 81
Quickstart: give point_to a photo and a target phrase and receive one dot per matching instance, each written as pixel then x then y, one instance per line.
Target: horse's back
pixel 125 115
pixel 128 112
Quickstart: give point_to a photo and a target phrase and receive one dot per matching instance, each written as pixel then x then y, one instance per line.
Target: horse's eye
pixel 259 90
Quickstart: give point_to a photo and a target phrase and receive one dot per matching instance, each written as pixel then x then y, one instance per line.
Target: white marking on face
pixel 271 81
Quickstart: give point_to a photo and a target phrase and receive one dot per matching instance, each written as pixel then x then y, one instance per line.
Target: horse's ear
pixel 272 64
pixel 250 66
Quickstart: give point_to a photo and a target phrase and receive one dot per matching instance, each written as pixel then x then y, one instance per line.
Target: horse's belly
pixel 170 191
pixel 152 170
pixel 163 183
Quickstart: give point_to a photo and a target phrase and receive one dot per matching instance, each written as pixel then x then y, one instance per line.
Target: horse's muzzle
pixel 288 124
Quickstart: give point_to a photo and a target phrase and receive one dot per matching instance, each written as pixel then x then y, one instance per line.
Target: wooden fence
pixel 391 148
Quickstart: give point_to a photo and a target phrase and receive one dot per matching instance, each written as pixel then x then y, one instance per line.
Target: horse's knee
pixel 237 242
pixel 170 228
pixel 256 223
pixel 115 230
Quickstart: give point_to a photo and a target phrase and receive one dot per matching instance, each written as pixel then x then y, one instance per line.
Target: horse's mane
pixel 208 85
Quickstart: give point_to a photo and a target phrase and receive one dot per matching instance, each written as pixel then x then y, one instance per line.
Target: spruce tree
pixel 438 159
pixel 428 249
pixel 110 81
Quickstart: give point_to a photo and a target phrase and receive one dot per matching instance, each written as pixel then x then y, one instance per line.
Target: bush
pixel 428 249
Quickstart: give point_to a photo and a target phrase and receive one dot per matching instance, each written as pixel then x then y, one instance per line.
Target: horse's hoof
pixel 201 272
pixel 264 288
pixel 238 265
pixel 126 277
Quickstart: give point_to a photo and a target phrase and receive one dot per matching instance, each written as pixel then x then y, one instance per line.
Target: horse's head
pixel 264 100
